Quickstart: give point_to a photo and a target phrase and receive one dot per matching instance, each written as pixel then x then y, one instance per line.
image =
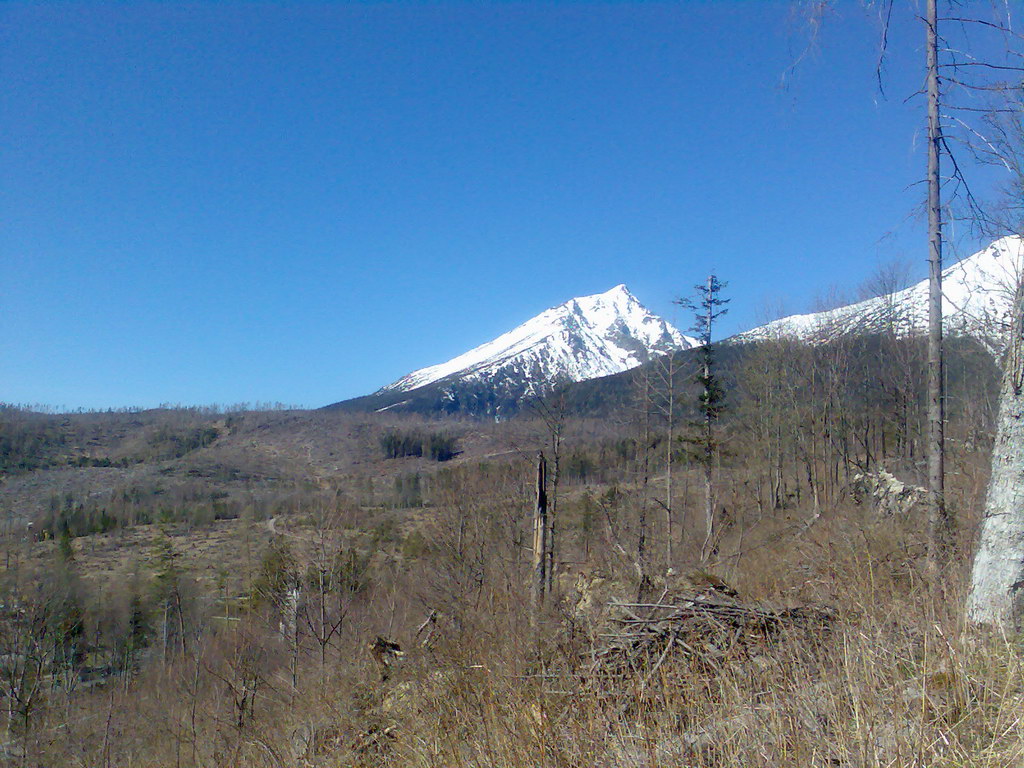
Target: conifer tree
pixel 707 306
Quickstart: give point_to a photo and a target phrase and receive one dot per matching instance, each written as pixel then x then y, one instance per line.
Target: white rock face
pixel 584 338
pixel 977 301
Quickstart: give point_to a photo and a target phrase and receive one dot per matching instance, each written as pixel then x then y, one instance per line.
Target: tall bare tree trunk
pixel 552 509
pixel 291 628
pixel 324 636
pixel 670 413
pixel 709 488
pixel 641 544
pixel 938 520
pixel 540 537
pixel 996 597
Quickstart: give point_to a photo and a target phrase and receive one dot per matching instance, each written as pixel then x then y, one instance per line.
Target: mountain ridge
pixel 977 293
pixel 584 338
pixel 567 344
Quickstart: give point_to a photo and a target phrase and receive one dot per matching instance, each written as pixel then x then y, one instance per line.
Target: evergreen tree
pixel 65 610
pixel 707 306
pixel 167 592
pixel 66 547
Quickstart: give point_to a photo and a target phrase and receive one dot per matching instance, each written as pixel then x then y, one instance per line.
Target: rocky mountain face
pixel 585 338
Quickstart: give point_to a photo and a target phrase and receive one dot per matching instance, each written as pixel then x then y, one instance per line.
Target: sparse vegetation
pixel 216 607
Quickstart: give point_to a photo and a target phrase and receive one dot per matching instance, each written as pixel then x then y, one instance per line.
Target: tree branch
pixel 999 27
pixel 958 64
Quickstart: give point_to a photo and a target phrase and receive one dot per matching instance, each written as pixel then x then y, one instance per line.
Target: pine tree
pixel 707 308
pixel 167 591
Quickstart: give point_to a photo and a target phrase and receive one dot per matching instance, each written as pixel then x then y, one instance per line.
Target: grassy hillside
pixel 198 588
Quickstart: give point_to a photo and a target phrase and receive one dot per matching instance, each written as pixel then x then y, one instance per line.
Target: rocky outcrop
pixel 889 496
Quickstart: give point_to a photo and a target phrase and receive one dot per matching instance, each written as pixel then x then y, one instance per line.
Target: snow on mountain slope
pixel 582 339
pixel 977 297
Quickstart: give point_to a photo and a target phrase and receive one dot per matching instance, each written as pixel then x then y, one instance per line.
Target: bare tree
pixel 643 460
pixel 335 575
pixel 955 68
pixel 949 68
pixel 665 379
pixel 541 542
pixel 938 519
pixel 552 411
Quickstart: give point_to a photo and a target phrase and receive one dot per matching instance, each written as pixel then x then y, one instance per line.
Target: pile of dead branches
pixel 705 629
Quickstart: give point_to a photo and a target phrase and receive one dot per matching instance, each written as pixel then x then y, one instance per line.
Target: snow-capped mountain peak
pixel 977 296
pixel 584 338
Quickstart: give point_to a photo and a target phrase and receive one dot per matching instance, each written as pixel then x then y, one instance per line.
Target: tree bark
pixel 938 520
pixel 540 536
pixel 552 509
pixel 995 597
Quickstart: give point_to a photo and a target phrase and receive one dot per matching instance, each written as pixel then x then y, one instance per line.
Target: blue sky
pixel 300 202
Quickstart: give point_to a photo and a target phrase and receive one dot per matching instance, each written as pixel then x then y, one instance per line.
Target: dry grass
pixel 895 681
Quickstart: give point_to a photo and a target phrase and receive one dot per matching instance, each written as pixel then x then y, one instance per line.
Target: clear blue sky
pixel 300 202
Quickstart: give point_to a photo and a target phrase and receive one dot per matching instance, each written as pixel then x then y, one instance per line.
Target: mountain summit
pixel 977 296
pixel 584 338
